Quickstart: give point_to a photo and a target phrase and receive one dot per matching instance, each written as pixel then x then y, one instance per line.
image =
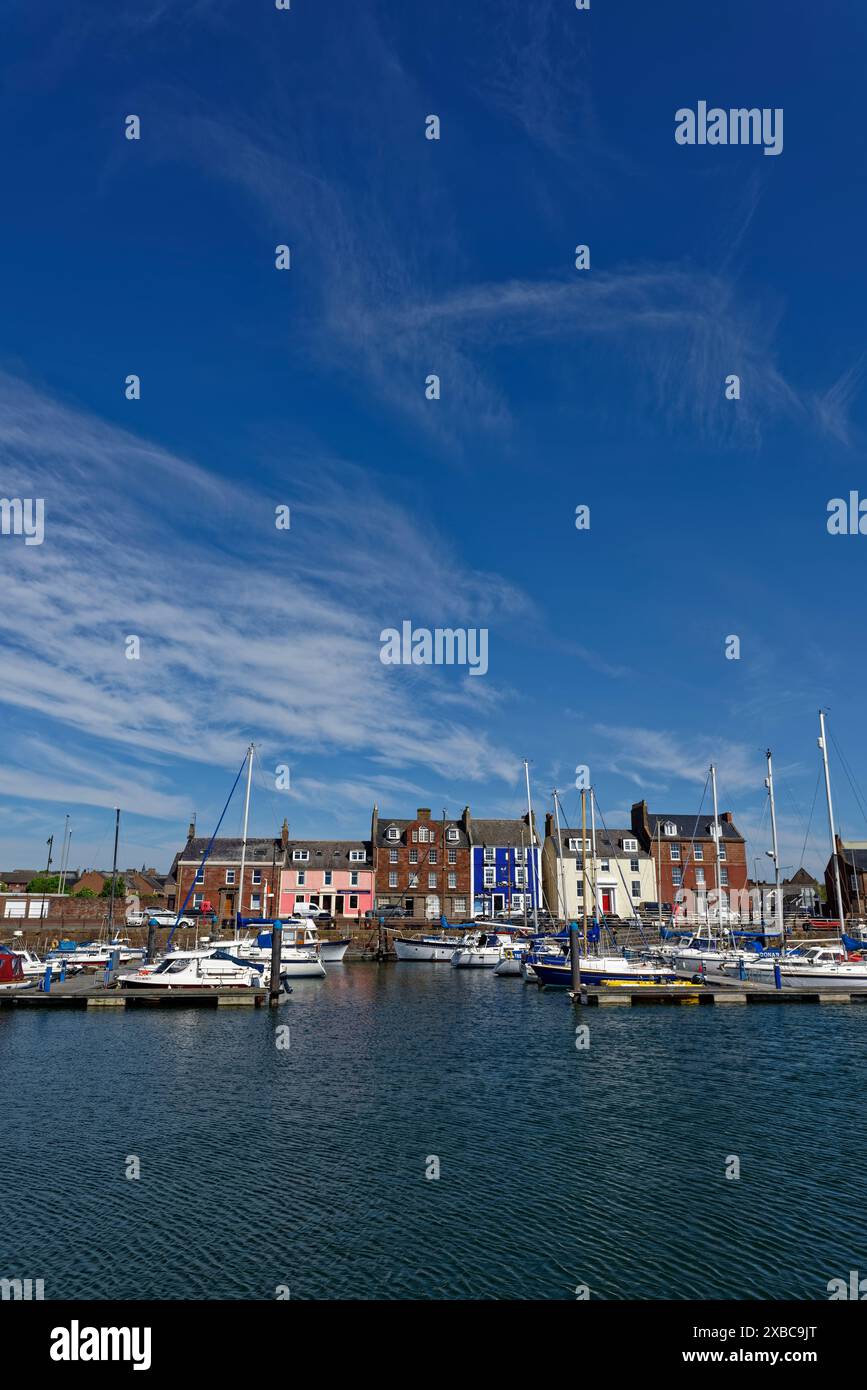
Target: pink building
pixel 333 874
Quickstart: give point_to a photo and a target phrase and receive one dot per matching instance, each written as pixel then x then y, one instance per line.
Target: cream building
pixel 621 877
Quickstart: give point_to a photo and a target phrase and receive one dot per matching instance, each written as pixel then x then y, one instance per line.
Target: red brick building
pixel 219 882
pixel 684 852
pixel 423 864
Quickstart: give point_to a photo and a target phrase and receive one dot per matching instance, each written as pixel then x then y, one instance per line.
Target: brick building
pixel 685 857
pixel 219 882
pixel 423 864
pixel 852 861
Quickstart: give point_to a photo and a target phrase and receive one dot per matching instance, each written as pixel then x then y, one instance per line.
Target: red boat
pixel 11 970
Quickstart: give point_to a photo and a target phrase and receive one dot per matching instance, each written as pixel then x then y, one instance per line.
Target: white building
pixel 621 877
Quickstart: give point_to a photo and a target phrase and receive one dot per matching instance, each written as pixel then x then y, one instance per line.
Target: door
pixel 432 907
pixel 605 900
pixel 338 905
pixel 498 902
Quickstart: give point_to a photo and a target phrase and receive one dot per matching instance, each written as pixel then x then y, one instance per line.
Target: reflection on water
pixel 558 1167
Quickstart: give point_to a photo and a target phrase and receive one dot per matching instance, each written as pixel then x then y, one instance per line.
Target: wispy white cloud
pixel 244 630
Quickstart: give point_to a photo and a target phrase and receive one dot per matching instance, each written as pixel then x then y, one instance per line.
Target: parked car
pixel 311 910
pixel 387 910
pixel 163 917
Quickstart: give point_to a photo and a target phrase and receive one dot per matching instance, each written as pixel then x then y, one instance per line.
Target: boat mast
pixel 824 747
pixel 67 836
pixel 240 903
pixel 593 852
pixel 114 868
pixel 560 857
pixel 717 836
pixel 775 855
pixel 584 866
pixel 532 850
pixel 659 873
pixel 526 878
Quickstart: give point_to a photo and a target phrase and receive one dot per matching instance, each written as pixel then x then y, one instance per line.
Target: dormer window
pixel 300 854
pixel 357 856
pixel 669 828
pixel 392 833
pixel 630 846
pixel 451 833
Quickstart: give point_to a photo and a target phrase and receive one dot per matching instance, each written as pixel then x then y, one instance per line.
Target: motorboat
pixel 298 962
pixel 810 968
pixel 33 966
pixel 197 970
pixel 95 955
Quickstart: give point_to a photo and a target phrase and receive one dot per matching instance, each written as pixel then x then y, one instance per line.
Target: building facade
pixel 423 864
pixel 621 875
pixel 690 872
pixel 852 862
pixel 336 875
pixel 506 865
pixel 217 886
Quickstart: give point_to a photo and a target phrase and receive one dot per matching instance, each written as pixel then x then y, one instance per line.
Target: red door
pixel 605 899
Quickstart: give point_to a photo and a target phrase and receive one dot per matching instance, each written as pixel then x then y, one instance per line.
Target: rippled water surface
pixel 305 1167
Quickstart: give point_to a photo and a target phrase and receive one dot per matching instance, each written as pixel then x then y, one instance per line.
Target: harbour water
pixel 300 1171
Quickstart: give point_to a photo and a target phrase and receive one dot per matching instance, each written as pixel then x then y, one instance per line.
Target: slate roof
pixel 608 844
pixel 461 842
pixel 332 854
pixel 855 859
pixel 258 850
pixel 20 875
pixel 691 826
pixel 502 834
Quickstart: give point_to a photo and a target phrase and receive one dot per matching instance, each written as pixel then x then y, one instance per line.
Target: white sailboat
pixel 482 950
pixel 822 966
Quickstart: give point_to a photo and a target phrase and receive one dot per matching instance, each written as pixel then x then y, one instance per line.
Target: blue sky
pixel 559 387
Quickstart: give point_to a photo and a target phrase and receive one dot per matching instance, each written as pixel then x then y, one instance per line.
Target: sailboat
pixel 823 966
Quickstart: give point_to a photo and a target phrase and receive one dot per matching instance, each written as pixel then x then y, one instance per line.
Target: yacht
pixel 298 961
pixel 481 950
pixel 197 970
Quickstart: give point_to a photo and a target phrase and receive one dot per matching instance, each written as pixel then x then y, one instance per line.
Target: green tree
pixel 84 893
pixel 45 883
pixel 119 887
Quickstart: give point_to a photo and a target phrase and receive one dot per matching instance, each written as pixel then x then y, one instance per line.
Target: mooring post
pixel 276 955
pixel 111 968
pixel 152 941
pixel 574 958
pixel 778 979
pixel 46 980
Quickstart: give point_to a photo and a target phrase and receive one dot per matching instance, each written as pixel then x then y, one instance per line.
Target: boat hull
pixel 602 972
pixel 419 948
pixel 332 952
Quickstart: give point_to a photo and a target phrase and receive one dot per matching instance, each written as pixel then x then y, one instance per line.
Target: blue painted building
pixel 505 866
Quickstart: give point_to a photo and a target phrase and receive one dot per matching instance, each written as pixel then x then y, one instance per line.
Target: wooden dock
pixel 82 992
pixel 716 997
